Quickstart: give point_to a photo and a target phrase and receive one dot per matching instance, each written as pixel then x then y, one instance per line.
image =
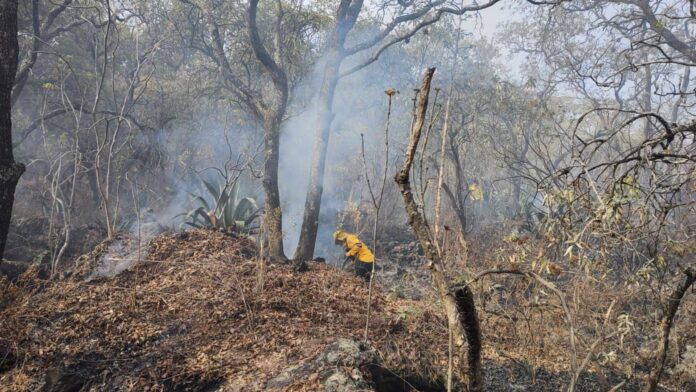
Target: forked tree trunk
pixel 666 327
pixel 10 171
pixel 459 305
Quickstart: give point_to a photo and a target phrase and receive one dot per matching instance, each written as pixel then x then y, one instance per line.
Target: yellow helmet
pixel 339 235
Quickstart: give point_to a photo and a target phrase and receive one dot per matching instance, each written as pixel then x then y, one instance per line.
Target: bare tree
pixel 44 29
pixel 244 79
pixel 416 17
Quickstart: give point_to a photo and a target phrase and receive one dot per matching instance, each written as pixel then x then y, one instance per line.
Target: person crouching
pixel 357 252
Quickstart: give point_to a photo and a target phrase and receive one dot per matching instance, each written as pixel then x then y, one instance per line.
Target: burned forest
pixel 348 195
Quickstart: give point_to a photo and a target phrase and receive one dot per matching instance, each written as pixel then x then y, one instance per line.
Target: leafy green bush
pixel 227 211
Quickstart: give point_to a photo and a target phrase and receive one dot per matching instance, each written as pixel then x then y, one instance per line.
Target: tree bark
pixel 41 33
pixel 459 306
pixel 666 327
pixel 273 216
pixel 310 220
pixel 346 16
pixel 10 171
pixel 273 115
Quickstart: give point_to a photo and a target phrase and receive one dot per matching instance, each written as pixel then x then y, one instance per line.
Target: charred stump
pixel 472 329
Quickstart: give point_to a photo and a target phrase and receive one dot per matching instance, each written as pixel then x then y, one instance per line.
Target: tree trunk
pixel 273 217
pixel 459 306
pixel 310 221
pixel 666 327
pixel 346 16
pixel 10 171
pixel 272 119
pixel 647 101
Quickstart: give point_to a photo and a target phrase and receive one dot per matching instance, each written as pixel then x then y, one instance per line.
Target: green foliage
pixel 228 212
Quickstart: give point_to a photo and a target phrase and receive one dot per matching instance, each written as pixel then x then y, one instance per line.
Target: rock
pixel 338 368
pixel 347 352
pixel 337 382
pixel 345 358
pixel 289 375
pixel 62 380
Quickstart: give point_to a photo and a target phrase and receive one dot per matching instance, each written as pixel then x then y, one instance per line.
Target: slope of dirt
pixel 198 313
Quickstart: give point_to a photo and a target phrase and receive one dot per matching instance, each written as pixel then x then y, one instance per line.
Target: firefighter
pixel 356 251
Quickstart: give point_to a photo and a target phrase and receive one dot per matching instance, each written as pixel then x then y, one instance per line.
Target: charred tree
pixel 472 329
pixel 459 305
pixel 10 171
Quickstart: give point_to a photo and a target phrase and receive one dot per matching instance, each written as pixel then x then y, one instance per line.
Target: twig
pixel 377 203
pixel 666 327
pixel 601 338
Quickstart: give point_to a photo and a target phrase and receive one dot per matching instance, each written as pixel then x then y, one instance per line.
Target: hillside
pixel 197 315
pixel 201 315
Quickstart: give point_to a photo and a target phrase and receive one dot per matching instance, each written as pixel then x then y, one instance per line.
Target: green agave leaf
pixel 230 211
pixel 246 207
pixel 212 188
pixel 234 193
pixel 203 213
pixel 240 226
pixel 221 202
pixel 203 202
pixel 253 216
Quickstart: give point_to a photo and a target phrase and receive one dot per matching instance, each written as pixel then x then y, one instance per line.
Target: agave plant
pixel 227 212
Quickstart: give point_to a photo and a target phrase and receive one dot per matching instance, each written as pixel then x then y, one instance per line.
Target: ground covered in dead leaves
pixel 197 312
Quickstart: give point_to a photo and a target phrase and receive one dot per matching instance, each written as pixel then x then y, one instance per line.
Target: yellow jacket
pixel 354 247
